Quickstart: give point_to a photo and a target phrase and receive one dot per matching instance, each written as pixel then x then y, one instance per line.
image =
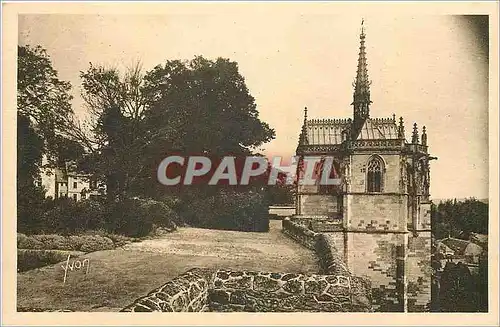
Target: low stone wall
pixel 283 292
pixel 300 233
pixel 331 261
pixel 201 290
pixel 186 293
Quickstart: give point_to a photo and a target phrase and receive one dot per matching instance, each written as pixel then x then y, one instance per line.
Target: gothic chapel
pixel 380 214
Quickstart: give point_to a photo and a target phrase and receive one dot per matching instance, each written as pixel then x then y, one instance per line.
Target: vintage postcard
pixel 248 161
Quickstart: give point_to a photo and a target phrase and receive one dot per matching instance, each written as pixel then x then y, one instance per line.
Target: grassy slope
pixel 117 277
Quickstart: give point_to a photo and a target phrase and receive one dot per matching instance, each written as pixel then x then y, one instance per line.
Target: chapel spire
pixel 361 98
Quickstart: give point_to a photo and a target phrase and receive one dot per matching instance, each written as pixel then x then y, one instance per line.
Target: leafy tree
pixel 44 99
pixel 209 106
pixel 43 116
pixel 119 134
pixel 197 107
pixel 459 218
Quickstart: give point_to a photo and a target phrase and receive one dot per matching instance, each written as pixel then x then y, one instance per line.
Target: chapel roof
pixel 329 131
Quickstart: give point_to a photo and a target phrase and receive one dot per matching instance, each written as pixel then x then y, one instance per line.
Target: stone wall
pixel 419 272
pixel 300 233
pixel 334 290
pixel 186 293
pixel 283 292
pixel 331 260
pixel 382 212
pixel 379 257
pixel 200 290
pixel 318 204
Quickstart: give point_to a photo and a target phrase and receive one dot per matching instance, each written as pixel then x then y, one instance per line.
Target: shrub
pixel 128 217
pixel 28 242
pixel 30 259
pixel 54 241
pixel 69 217
pixel 243 211
pixel 85 243
pixel 77 241
pixel 131 217
pixel 31 205
pixel 96 243
pixel 160 213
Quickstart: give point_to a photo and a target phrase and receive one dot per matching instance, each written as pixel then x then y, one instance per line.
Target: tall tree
pixel 44 99
pixel 43 112
pixel 198 107
pixel 117 105
pixel 209 104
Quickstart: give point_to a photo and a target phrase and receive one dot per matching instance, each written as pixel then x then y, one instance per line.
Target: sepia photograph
pixel 253 159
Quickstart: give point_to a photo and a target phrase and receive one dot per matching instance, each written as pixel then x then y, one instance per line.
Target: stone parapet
pixel 284 292
pixel 300 233
pixel 185 293
pixel 200 290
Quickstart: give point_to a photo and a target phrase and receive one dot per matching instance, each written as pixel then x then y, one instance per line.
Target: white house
pixel 66 182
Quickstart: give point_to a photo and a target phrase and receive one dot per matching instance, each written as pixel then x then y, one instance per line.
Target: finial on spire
pixel 401 129
pixel 414 137
pixel 394 117
pixel 303 139
pixel 424 136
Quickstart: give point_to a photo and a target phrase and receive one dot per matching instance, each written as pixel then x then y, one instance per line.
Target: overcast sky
pixel 432 70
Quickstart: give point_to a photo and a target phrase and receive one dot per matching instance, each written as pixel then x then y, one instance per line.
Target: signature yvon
pixel 75 265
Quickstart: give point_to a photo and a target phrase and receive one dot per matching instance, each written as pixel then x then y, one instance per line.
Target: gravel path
pixel 229 244
pixel 117 277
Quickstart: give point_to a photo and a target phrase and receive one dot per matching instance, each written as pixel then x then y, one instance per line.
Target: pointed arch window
pixel 375 175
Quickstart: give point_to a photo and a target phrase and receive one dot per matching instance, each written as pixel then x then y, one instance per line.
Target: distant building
pixel 281 211
pixel 66 182
pixel 444 250
pixel 462 249
pixel 479 239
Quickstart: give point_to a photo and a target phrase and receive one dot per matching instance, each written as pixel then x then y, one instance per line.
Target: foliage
pixel 460 291
pixel 30 259
pixel 44 101
pixel 54 242
pixel 192 107
pixel 44 118
pixel 83 243
pixel 119 136
pixel 199 106
pixel 41 96
pixel 96 243
pixel 228 210
pixel 459 217
pixel 69 217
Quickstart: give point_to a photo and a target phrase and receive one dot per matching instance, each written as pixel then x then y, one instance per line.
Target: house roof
pixel 457 245
pixel 480 238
